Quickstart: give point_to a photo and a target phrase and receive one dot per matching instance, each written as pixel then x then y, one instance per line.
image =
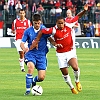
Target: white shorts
pixel 17 45
pixel 63 58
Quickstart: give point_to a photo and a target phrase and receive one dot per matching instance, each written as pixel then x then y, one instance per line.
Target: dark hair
pixel 59 17
pixel 37 17
pixel 22 10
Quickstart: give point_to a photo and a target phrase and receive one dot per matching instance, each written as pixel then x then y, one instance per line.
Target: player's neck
pixel 22 18
pixel 69 16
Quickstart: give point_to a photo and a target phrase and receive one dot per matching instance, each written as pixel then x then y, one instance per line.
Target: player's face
pixel 60 23
pixel 69 14
pixel 22 14
pixel 36 24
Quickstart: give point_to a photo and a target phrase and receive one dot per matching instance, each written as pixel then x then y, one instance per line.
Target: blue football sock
pixel 29 79
pixel 36 79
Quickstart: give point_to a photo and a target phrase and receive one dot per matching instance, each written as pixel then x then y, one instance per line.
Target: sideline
pixel 81 42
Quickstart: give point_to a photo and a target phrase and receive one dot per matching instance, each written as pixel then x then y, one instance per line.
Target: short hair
pixel 36 17
pixel 68 11
pixel 22 10
pixel 59 17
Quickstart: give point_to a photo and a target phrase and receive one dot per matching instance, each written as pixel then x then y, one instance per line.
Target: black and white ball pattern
pixel 37 90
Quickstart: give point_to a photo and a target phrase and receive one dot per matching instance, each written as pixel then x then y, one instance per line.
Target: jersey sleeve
pixel 13 28
pixel 70 25
pixel 29 23
pixel 25 36
pixel 13 24
pixel 43 26
pixel 74 19
pixel 76 23
pixel 47 31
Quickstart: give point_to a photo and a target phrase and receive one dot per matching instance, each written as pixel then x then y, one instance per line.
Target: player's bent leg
pixel 78 84
pixel 73 62
pixel 39 78
pixel 41 74
pixel 68 79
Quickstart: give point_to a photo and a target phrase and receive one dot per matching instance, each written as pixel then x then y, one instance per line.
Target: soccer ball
pixel 37 90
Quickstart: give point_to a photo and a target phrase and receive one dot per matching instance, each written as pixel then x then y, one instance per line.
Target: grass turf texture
pixel 12 80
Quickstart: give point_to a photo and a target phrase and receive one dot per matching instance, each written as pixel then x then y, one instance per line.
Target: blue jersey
pixel 30 35
pixel 38 57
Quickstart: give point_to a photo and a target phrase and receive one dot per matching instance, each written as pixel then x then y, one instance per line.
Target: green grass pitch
pixel 12 80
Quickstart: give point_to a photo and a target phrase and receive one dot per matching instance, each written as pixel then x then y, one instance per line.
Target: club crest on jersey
pixel 47 29
pixel 65 30
pixel 65 36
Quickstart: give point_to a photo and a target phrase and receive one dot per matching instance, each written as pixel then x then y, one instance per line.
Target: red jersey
pixel 63 37
pixel 19 26
pixel 71 20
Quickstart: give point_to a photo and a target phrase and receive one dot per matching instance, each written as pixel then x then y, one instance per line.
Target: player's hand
pixel 13 31
pixel 26 50
pixel 59 45
pixel 34 45
pixel 86 7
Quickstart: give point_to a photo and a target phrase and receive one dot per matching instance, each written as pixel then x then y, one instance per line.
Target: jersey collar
pixel 35 29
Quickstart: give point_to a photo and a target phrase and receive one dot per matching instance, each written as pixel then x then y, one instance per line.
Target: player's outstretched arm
pixel 83 12
pixel 80 14
pixel 51 40
pixel 36 41
pixel 54 43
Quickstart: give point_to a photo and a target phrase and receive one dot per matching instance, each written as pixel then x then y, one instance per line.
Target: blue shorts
pixel 39 61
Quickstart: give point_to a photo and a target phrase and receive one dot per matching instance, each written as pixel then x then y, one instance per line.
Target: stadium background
pixel 7 15
pixel 6 20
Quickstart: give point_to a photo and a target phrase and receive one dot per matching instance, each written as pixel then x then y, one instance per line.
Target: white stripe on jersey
pixel 53 31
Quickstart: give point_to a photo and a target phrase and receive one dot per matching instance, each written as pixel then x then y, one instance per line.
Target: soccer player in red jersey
pixel 18 27
pixel 70 18
pixel 64 40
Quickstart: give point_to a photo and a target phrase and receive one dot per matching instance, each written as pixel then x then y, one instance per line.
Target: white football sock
pixel 68 81
pixel 77 74
pixel 21 62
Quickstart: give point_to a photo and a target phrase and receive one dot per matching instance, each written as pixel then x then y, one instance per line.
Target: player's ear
pixel 41 22
pixel 33 22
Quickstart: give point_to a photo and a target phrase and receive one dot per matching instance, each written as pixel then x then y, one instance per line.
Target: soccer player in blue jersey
pixel 35 58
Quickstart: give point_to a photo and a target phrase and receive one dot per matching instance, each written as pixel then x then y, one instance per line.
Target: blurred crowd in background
pixel 50 9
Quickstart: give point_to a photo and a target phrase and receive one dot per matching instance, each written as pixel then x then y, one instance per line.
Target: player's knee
pixel 41 78
pixel 30 69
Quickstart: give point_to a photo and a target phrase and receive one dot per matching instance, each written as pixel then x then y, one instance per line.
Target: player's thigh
pixel 41 62
pixel 71 54
pixel 17 45
pixel 62 60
